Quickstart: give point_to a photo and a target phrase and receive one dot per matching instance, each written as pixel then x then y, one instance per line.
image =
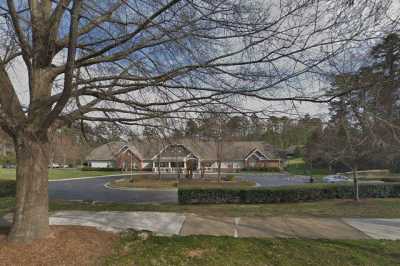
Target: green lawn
pixel 215 251
pixel 377 175
pixel 371 208
pixel 6 204
pixel 210 251
pixel 58 173
pixel 297 166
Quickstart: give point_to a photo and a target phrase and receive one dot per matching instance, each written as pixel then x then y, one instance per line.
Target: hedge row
pixel 285 194
pixel 263 169
pixel 7 188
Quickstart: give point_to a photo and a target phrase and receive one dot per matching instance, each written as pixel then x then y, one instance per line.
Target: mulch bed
pixel 67 245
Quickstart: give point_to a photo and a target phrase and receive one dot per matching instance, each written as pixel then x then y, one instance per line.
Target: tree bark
pixel 31 219
pixel 219 171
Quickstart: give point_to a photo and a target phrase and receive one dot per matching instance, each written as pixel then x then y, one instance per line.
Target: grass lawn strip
pixel 297 166
pixel 207 250
pixel 367 208
pixel 214 251
pixel 56 174
pixel 86 246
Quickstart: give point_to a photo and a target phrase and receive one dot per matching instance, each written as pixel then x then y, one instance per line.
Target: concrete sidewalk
pixel 271 227
pixel 191 224
pixel 161 223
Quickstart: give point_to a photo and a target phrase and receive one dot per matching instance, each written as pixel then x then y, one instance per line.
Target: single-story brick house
pixel 179 156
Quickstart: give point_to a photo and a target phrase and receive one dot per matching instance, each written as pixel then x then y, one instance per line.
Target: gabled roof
pixel 259 154
pixel 175 150
pixel 205 150
pixel 106 152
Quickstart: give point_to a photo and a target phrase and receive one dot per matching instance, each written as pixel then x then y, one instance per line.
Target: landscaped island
pixel 153 181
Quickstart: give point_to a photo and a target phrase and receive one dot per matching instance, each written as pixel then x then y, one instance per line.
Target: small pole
pixel 131 167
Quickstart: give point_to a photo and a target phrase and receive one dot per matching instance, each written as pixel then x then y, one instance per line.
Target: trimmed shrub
pixel 7 188
pixel 229 178
pixel 395 166
pixel 263 169
pixel 286 194
pixel 390 179
pixel 100 169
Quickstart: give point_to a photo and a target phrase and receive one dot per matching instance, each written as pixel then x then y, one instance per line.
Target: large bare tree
pixel 132 61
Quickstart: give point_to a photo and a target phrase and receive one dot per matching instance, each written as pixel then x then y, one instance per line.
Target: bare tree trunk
pixel 355 184
pixel 31 219
pixel 219 171
pixel 219 158
pixel 158 167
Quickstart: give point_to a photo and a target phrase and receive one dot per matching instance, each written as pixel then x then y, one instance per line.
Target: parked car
pixel 336 179
pixel 9 165
pixel 54 165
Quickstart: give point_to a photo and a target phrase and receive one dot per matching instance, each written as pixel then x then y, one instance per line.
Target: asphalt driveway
pixel 93 189
pixel 274 179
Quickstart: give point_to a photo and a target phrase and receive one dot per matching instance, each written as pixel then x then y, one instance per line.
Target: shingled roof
pixel 106 152
pixel 205 150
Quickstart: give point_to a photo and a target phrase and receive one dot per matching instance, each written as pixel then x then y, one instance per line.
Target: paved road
pixel 275 180
pixel 93 189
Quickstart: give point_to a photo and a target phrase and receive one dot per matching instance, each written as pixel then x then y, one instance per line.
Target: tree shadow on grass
pixel 368 246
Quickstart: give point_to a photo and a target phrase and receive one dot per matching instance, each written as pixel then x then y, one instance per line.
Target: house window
pixel 177 164
pixel 206 164
pixel 164 164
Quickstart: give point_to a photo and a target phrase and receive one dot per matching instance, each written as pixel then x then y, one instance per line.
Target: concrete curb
pixel 122 174
pixel 107 185
pixel 92 177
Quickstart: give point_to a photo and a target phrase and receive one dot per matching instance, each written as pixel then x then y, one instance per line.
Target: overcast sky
pixel 19 78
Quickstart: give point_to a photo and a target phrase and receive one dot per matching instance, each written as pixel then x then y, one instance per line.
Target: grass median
pixel 368 208
pixel 54 174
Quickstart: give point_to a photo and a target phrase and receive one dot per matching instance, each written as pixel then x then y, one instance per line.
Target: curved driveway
pixel 274 179
pixel 93 189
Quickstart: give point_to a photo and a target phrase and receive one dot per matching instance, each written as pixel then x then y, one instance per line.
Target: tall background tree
pixel 132 62
pixel 363 131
